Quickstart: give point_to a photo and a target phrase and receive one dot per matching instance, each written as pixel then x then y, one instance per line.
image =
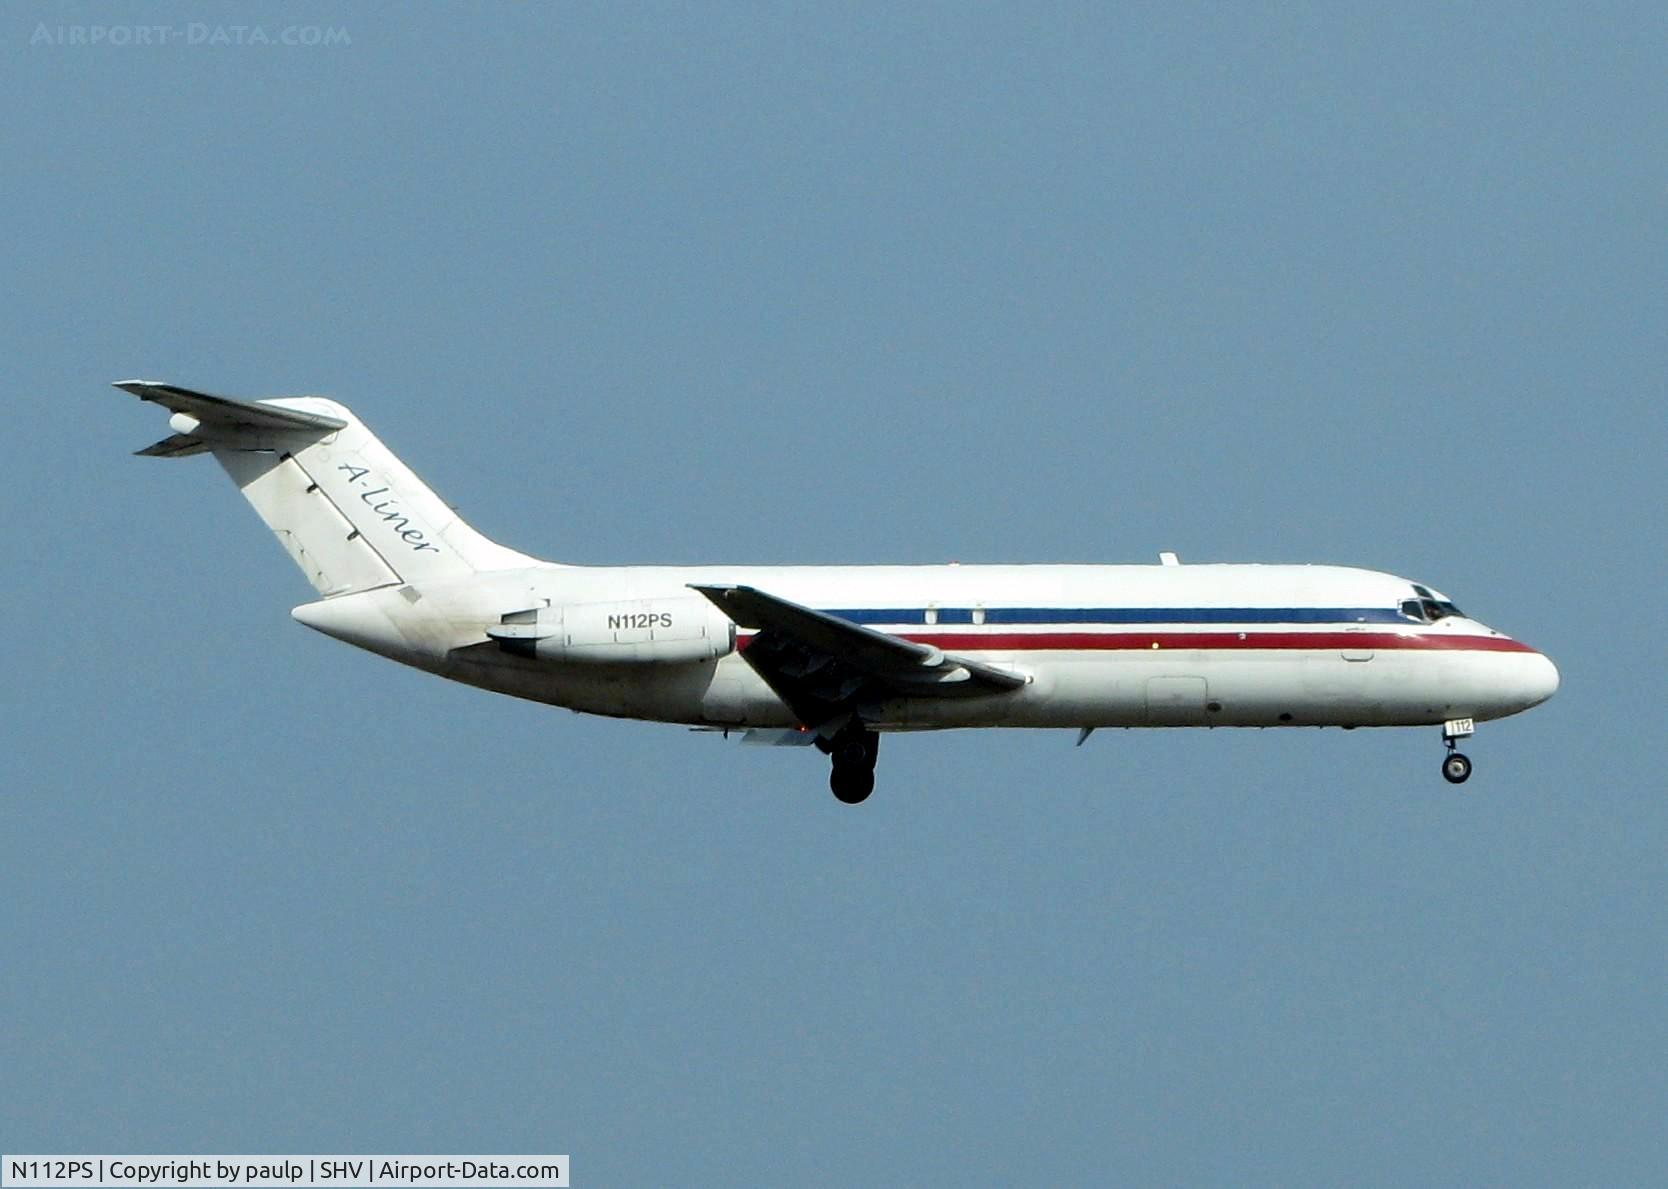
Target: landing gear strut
pixel 854 752
pixel 1456 768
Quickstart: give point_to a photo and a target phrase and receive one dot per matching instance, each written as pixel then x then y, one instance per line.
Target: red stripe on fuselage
pixel 1196 641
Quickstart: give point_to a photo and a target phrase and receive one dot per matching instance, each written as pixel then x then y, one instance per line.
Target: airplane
pixel 836 656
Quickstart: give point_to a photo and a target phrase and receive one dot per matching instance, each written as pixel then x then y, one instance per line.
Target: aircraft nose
pixel 1540 679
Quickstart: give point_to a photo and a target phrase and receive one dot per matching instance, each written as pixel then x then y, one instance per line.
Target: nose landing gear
pixel 854 752
pixel 1456 767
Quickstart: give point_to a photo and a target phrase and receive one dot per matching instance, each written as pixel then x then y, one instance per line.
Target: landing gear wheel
pixel 854 751
pixel 1456 769
pixel 851 785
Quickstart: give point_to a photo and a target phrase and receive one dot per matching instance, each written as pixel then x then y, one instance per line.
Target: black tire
pixel 1456 769
pixel 851 786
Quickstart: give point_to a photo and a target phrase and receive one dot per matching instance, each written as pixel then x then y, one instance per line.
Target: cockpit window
pixel 1429 610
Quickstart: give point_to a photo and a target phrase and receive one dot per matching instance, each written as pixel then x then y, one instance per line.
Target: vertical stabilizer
pixel 347 511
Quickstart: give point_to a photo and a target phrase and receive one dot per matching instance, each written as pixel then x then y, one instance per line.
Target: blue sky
pixel 840 284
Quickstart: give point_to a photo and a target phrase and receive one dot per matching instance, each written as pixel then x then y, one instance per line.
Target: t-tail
pixel 348 512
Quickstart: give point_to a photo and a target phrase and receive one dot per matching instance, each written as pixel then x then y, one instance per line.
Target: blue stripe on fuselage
pixel 1135 615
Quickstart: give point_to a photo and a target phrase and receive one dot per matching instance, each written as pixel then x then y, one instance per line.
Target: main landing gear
pixel 1456 768
pixel 854 751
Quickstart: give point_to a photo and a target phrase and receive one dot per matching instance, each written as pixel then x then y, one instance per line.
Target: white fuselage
pixel 832 654
pixel 1098 645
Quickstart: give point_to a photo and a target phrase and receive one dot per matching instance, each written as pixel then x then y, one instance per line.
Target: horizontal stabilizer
pixel 176 446
pixel 221 417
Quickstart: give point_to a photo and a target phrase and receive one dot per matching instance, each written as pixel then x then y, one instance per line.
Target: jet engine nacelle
pixel 669 631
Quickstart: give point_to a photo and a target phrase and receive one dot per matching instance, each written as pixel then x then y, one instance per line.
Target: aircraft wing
pixel 220 416
pixel 824 666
